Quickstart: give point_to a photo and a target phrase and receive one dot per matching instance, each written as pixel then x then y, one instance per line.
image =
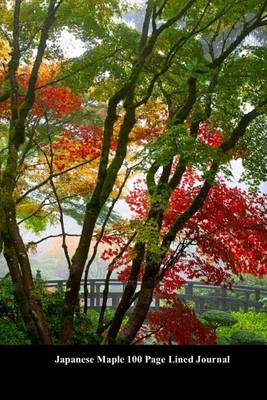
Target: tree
pixel 192 68
pixel 225 238
pixel 24 38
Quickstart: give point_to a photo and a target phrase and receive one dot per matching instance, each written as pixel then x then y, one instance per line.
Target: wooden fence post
pixel 189 289
pixel 59 285
pixel 224 308
pixel 92 293
pixel 97 294
pixel 257 299
pixel 247 301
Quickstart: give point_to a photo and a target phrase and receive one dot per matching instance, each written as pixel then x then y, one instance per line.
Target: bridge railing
pixel 238 298
pixel 201 296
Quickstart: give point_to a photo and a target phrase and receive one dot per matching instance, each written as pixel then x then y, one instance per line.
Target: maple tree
pixel 178 324
pixel 225 238
pixel 173 102
pixel 24 106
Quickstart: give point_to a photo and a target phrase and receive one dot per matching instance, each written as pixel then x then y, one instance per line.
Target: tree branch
pixel 100 237
pixel 54 175
pixel 198 202
pixel 52 237
pixel 149 334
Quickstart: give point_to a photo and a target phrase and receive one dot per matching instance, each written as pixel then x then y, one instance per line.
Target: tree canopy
pixel 164 96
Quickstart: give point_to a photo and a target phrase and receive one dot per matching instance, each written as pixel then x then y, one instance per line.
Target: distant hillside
pixel 51 261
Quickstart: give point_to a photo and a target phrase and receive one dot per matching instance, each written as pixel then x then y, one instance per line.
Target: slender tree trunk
pixel 105 183
pixel 141 309
pixel 155 214
pixel 31 311
pixel 17 257
pixel 15 251
pixel 127 294
pixel 20 296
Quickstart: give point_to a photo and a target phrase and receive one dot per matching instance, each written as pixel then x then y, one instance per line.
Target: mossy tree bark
pixel 14 248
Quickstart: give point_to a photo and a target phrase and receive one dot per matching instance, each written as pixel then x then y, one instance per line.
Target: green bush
pixel 216 318
pixel 84 329
pixel 12 329
pixel 52 305
pixel 244 337
pixel 11 333
pixel 84 325
pixel 264 303
pixel 250 321
pixel 7 300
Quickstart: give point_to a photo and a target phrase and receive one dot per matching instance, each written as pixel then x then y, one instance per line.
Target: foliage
pixel 12 330
pixel 7 300
pixel 247 338
pixel 84 331
pixel 255 159
pixel 85 325
pixel 197 151
pixel 250 321
pixel 217 318
pixel 237 217
pixel 180 93
pixel 251 280
pixel 11 334
pixel 178 324
pixel 85 328
pixel 264 303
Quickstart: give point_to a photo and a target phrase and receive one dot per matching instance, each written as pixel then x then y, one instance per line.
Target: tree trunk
pixel 104 186
pixel 141 309
pixel 75 275
pixel 127 294
pixel 31 311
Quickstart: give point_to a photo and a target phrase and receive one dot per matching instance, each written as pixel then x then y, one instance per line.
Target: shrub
pixel 7 300
pixel 84 329
pixel 52 304
pixel 12 329
pixel 251 321
pixel 244 337
pixel 11 333
pixel 264 303
pixel 216 318
pixel 84 325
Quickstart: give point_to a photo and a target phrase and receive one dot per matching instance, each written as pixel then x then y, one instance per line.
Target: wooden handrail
pixel 220 297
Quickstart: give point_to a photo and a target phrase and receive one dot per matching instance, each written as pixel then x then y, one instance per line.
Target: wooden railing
pixel 238 298
pixel 201 296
